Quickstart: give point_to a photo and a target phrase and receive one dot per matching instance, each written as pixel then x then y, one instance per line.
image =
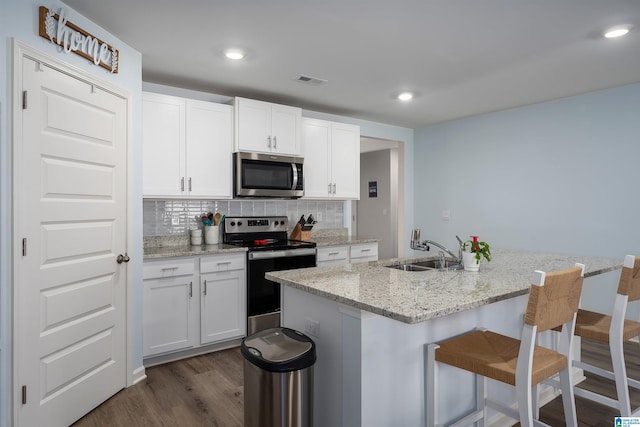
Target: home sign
pixel 56 27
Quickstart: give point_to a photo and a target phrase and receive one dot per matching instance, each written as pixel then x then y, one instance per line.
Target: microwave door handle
pixel 294 169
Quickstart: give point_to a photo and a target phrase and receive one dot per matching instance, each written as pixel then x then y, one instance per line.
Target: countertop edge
pixel 183 251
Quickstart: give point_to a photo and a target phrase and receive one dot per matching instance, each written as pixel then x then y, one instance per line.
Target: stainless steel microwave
pixel 267 175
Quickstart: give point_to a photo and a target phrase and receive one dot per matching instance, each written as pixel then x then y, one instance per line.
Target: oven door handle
pixel 281 253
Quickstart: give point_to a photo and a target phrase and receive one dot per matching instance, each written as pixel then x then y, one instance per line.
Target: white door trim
pixel 21 50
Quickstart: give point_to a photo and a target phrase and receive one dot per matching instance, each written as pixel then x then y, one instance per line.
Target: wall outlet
pixel 312 327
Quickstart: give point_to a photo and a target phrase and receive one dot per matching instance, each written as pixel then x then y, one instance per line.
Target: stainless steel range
pixel 269 249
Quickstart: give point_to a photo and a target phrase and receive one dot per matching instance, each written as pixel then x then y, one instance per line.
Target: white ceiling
pixel 461 57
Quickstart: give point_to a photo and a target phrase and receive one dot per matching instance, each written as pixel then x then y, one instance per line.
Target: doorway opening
pixel 380 211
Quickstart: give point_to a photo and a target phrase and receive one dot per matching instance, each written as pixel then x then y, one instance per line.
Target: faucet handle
pixel 415 235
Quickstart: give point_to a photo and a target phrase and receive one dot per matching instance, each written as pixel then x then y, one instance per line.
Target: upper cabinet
pixel 266 128
pixel 187 147
pixel 332 159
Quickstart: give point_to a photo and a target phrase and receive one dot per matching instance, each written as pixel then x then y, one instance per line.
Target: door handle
pixel 122 258
pixel 205 288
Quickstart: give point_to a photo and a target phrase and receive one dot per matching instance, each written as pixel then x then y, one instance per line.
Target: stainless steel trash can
pixel 278 378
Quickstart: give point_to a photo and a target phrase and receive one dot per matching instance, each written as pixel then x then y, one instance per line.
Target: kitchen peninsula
pixel 371 322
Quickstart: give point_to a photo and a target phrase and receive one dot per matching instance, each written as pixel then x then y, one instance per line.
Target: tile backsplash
pixel 175 217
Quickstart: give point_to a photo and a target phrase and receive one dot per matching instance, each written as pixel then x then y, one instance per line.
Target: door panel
pixel 71 198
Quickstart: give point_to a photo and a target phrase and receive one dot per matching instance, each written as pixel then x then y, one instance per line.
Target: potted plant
pixel 473 251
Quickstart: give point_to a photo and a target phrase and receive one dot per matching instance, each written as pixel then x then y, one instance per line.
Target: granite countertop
pixel 176 246
pixel 414 297
pixel 189 250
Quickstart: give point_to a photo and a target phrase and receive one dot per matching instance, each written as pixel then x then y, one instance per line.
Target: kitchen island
pixel 371 322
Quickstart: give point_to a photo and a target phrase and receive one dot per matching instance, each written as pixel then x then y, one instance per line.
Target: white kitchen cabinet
pixel 169 307
pixel 345 254
pixel 328 255
pixel 332 159
pixel 223 303
pixel 266 128
pixel 193 301
pixel 187 147
pixel 363 252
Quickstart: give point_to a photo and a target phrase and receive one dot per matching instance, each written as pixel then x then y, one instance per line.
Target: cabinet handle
pixel 334 188
pixel 269 143
pixel 365 250
pixel 334 253
pixel 275 143
pixel 190 289
pixel 329 188
pixel 189 184
pixel 182 184
pixel 205 287
pixel 169 268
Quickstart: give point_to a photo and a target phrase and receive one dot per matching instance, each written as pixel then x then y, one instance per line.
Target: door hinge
pixel 24 99
pixel 24 247
pixel 24 394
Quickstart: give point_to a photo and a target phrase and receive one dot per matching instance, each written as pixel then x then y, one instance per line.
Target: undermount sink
pixel 409 267
pixel 432 264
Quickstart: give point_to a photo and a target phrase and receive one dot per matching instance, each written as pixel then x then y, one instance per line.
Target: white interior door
pixel 70 198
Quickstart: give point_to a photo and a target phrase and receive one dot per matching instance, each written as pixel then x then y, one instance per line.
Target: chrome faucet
pixel 418 245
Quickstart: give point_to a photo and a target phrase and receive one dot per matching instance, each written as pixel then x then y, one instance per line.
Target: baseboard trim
pixel 172 357
pixel 139 375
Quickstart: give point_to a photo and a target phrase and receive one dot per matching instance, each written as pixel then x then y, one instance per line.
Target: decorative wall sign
pixel 55 27
pixel 373 189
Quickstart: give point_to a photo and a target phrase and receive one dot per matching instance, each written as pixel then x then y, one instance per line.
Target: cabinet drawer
pixel 168 267
pixel 368 250
pixel 333 253
pixel 215 263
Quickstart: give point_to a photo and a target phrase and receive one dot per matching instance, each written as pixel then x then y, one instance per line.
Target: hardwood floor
pixel 199 391
pixel 207 391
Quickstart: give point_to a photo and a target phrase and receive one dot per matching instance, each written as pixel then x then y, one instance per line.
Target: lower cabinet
pixel 331 255
pixel 364 252
pixel 345 254
pixel 193 301
pixel 223 301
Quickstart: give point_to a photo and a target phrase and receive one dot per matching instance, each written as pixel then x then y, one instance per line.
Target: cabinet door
pixel 170 314
pixel 364 252
pixel 253 125
pixel 345 160
pixel 209 144
pixel 223 307
pixel 332 255
pixel 316 135
pixel 163 138
pixel 285 129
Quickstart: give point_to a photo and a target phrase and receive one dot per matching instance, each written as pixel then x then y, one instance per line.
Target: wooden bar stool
pixel 614 330
pixel 553 301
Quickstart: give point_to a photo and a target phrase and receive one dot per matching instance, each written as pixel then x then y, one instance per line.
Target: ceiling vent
pixel 310 80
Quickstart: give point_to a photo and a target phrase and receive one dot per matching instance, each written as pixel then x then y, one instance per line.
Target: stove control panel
pixel 252 224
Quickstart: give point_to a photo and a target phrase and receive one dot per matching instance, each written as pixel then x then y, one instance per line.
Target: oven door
pixel 264 175
pixel 263 296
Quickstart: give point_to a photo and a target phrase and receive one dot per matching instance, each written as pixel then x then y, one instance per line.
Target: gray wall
pixel 375 216
pixel 558 176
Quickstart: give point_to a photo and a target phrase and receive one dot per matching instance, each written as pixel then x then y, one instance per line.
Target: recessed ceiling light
pixel 405 96
pixel 234 53
pixel 617 31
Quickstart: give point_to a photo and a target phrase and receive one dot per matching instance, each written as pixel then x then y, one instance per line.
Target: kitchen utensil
pixel 311 219
pixel 216 218
pixel 302 221
pixel 210 216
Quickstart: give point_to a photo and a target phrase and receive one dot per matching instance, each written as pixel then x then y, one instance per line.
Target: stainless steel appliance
pixel 268 175
pixel 268 249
